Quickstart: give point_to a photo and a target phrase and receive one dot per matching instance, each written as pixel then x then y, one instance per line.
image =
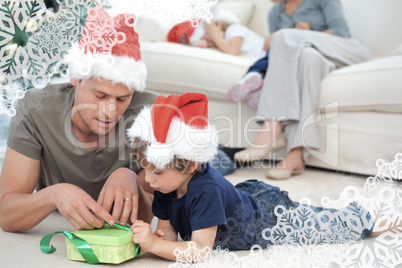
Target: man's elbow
pixel 8 226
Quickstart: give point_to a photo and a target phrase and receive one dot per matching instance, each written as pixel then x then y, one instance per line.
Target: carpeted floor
pixel 22 249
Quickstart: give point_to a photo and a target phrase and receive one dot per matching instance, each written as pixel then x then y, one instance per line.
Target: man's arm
pixel 21 209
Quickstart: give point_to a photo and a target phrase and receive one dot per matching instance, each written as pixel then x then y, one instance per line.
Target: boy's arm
pixel 203 238
pixel 232 46
pixel 168 232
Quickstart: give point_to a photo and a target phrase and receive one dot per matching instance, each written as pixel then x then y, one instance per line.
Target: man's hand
pixel 303 25
pixel 79 208
pixel 142 235
pixel 121 189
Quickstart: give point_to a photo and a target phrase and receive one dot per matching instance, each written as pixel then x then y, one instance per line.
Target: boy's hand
pixel 142 235
pixel 159 234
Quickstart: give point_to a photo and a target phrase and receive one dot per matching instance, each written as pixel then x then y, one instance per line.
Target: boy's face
pixel 169 179
pixel 100 104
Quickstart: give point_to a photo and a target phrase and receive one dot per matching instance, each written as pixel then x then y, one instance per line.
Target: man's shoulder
pixel 142 98
pixel 139 100
pixel 53 96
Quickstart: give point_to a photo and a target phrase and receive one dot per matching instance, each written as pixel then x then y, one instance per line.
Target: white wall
pixel 377 23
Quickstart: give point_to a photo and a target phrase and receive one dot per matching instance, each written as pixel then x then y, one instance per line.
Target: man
pixel 73 149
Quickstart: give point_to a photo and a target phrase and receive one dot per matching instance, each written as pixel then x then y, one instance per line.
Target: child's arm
pixel 166 230
pixel 150 243
pixel 201 43
pixel 231 46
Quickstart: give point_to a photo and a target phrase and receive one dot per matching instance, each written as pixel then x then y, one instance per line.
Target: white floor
pixel 22 249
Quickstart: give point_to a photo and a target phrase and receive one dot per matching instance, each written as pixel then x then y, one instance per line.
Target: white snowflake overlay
pixel 170 12
pixel 34 42
pixel 303 238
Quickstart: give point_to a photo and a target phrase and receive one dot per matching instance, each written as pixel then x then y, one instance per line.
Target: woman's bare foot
pixel 269 133
pixel 291 165
pixel 293 161
pixel 268 140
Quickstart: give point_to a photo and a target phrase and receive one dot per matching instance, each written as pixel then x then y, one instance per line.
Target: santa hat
pixel 176 126
pixel 181 33
pixel 109 49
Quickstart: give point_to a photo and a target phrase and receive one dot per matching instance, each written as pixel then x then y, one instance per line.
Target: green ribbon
pixel 83 247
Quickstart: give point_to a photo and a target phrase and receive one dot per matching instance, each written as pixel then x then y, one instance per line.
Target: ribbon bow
pixel 83 247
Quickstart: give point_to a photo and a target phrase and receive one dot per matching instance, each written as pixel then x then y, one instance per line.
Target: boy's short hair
pixel 139 148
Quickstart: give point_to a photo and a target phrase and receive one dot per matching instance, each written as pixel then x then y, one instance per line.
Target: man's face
pixel 98 105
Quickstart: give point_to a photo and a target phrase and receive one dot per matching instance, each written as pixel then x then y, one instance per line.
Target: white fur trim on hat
pixel 118 69
pixel 182 141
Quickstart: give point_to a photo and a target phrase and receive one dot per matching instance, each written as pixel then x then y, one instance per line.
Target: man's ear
pixel 74 82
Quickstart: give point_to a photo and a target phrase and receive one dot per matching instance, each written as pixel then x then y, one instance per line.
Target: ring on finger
pixel 128 199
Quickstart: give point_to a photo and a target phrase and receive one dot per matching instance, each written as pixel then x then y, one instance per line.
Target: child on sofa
pixel 323 16
pixel 225 33
pixel 172 142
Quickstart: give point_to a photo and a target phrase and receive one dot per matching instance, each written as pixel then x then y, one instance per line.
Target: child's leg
pixel 260 65
pixel 267 195
pixel 354 216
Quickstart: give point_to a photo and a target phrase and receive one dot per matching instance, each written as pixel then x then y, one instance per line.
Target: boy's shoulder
pixel 206 178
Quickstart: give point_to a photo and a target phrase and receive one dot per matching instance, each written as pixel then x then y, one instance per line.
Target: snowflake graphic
pixel 191 255
pixel 34 44
pixel 391 170
pixel 338 234
pixel 171 12
pixel 49 38
pixel 305 238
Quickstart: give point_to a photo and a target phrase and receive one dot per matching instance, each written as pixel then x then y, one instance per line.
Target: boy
pixel 173 142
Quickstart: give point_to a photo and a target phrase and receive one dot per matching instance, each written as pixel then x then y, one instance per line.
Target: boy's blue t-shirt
pixel 211 200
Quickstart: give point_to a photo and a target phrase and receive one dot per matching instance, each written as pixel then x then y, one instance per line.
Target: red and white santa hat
pixel 109 49
pixel 176 126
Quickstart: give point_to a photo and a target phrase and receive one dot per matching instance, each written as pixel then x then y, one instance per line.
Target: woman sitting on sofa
pixel 248 88
pixel 298 61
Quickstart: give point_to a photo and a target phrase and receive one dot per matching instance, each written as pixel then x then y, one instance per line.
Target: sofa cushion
pixel 370 86
pixel 176 68
pixel 398 50
pixel 242 9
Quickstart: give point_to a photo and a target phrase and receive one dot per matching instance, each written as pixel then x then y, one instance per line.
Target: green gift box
pixel 109 245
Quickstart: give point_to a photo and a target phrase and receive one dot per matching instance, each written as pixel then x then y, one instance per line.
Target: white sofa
pixel 360 112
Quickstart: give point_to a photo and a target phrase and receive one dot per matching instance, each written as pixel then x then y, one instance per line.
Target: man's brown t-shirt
pixel 42 130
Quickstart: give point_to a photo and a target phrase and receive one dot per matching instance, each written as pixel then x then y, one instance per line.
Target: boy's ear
pixel 193 167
